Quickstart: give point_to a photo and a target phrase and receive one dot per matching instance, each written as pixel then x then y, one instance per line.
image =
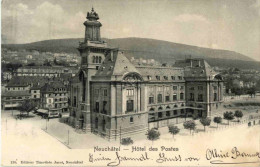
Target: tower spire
pixel 92 24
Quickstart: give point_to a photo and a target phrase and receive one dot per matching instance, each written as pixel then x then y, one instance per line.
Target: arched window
pixel 99 59
pixel 168 107
pixel 160 108
pixel 175 106
pixel 96 123
pixel 104 125
pixel 151 109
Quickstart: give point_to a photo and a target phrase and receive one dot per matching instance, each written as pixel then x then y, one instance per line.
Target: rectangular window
pixel 174 97
pixel 159 98
pixel 173 77
pixel 104 107
pixel 175 87
pixel 97 106
pixel 167 98
pixel 151 100
pixel 182 96
pixel 175 112
pixel 129 105
pixel 200 87
pixel 191 97
pixel 182 87
pixel 215 96
pixel 167 88
pixel 215 87
pixel 130 92
pixel 35 96
pixel 49 100
pixel 167 113
pixel 97 92
pixel 160 88
pixel 200 97
pixel 180 77
pixel 160 114
pixel 74 101
pixel 191 88
pixel 105 92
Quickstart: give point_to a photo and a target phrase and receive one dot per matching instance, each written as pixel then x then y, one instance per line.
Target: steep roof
pixel 15 93
pixel 114 67
pixel 23 81
pixel 50 87
pixel 150 73
pixel 201 71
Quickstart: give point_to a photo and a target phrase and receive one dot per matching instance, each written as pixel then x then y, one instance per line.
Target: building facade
pixel 113 97
pixel 54 97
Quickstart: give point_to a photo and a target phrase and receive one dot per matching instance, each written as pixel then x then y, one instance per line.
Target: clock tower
pixel 93 52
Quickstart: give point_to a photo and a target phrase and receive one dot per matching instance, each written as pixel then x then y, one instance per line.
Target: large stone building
pixel 112 97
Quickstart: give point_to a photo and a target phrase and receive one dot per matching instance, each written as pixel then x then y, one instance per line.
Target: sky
pixel 218 24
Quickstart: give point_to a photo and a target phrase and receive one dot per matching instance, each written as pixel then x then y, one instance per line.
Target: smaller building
pixel 7 75
pixel 54 97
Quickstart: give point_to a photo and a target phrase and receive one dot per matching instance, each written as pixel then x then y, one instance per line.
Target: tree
pixel 191 125
pixel 252 91
pixel 27 106
pixel 217 120
pixel 228 116
pixel 238 114
pixel 173 130
pixel 127 141
pixel 153 135
pixel 205 122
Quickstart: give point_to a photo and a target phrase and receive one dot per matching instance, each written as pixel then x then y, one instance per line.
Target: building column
pixel 208 99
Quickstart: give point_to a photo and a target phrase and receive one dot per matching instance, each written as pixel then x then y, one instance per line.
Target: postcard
pixel 130 83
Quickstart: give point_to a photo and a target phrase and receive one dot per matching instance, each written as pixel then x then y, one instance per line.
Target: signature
pixel 162 158
pixel 217 156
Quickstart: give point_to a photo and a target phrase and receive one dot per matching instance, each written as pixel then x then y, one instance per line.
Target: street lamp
pixel 68 137
pixel 46 125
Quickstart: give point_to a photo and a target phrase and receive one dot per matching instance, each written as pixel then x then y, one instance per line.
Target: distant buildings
pixel 45 71
pixel 14 94
pixel 20 88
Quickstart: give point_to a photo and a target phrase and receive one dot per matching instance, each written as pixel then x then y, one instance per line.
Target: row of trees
pixel 154 134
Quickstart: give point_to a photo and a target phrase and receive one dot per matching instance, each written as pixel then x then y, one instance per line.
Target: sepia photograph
pixel 130 83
